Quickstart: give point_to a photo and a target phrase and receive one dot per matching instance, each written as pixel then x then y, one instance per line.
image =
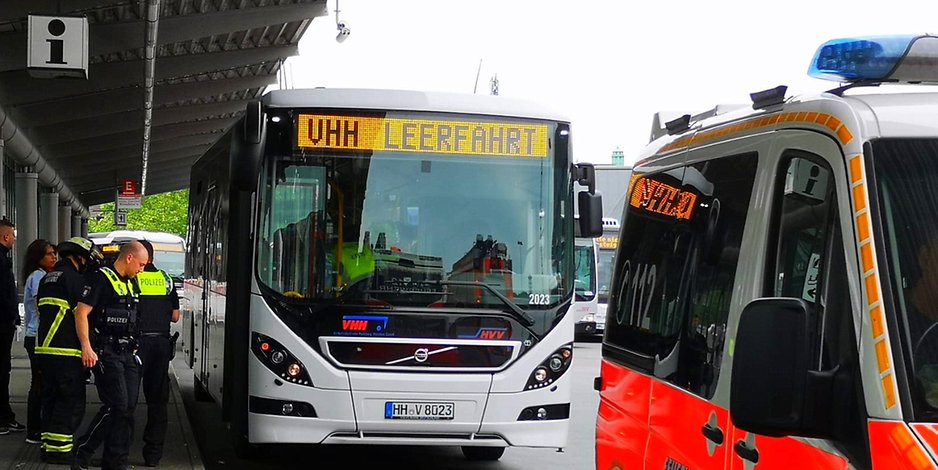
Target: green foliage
pixel 165 212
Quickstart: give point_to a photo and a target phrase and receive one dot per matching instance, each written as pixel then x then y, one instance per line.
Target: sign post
pixel 57 46
pixel 127 196
pixel 120 218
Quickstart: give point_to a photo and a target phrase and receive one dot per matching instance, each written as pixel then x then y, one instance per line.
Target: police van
pixel 775 293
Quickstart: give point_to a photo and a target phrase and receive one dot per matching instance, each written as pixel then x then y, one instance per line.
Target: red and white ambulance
pixel 774 302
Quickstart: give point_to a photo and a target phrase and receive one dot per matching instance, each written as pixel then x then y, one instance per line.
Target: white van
pixel 775 294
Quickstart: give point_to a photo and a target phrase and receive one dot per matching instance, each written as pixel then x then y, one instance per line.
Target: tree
pixel 167 212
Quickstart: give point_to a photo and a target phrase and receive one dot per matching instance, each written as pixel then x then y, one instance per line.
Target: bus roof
pixel 117 236
pixel 404 100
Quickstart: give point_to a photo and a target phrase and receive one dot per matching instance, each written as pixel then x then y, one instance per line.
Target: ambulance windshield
pixel 906 175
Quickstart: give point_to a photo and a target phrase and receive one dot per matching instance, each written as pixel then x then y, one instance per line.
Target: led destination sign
pixel 654 196
pixel 508 139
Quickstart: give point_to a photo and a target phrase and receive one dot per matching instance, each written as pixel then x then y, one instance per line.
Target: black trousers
pixel 63 401
pixel 155 352
pixel 33 400
pixel 6 350
pixel 117 377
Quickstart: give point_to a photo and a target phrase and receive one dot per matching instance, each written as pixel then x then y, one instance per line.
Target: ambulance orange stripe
pixel 859 198
pixel 871 277
pixel 844 134
pixel 866 255
pixel 863 227
pixel 855 167
pixel 889 386
pixel 878 322
pixel 872 288
pixel 822 119
pixel 882 356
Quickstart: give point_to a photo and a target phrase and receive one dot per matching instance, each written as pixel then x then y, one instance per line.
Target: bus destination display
pixel 507 139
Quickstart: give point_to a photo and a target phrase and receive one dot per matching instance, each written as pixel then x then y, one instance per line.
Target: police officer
pixel 159 305
pixel 58 349
pixel 107 321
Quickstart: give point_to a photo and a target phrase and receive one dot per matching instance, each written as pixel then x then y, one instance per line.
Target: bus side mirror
pixel 247 147
pixel 589 203
pixel 590 207
pixel 774 391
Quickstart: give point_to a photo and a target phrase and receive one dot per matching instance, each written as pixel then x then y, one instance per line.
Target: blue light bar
pixel 860 59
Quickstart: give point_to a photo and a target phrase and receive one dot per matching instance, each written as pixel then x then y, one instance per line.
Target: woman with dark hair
pixel 40 258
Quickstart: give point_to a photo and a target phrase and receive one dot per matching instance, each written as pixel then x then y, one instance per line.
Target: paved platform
pixel 180 452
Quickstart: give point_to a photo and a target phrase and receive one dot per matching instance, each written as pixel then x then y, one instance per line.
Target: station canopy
pixel 206 60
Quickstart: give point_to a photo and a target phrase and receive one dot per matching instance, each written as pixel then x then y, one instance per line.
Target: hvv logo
pixel 488 333
pixel 364 324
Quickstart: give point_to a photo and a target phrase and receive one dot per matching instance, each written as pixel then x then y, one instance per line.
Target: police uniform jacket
pixel 158 299
pixel 58 294
pixel 105 288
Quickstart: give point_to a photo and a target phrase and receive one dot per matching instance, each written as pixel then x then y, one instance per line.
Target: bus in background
pixel 169 250
pixel 387 267
pixel 584 295
pixel 606 259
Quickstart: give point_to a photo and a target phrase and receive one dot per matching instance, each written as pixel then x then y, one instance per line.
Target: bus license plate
pixel 417 410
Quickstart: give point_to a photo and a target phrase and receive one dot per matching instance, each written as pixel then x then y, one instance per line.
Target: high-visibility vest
pixel 120 317
pixel 156 308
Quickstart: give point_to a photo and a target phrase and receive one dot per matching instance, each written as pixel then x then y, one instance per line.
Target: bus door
pixel 202 332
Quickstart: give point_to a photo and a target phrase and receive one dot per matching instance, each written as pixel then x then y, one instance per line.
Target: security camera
pixel 344 31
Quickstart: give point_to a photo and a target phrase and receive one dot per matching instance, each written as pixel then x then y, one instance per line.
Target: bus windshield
pixel 416 220
pixel 906 172
pixel 173 262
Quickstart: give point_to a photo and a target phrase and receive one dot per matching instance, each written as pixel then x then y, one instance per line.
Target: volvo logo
pixel 421 355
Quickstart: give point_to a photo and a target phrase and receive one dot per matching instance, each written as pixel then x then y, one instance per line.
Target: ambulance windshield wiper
pixel 518 311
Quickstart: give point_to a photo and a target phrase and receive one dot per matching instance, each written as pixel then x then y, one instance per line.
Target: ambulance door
pixel 806 259
pixel 683 298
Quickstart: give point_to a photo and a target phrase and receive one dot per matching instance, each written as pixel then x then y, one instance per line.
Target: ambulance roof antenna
pixel 476 86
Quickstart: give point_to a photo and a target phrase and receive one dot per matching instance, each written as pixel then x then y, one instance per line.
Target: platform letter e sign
pixel 56 29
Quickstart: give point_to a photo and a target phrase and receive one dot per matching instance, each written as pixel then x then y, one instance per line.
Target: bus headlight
pixel 540 375
pixel 555 363
pixel 551 369
pixel 279 360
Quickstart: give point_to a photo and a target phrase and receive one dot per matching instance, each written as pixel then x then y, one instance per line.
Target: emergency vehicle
pixel 775 292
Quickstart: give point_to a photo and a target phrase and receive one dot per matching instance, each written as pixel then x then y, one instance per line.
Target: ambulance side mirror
pixel 774 391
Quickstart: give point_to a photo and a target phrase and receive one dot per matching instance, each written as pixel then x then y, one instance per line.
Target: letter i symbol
pixel 56 28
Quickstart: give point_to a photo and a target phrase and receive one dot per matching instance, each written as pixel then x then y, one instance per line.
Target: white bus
pixel 387 267
pixel 585 298
pixel 607 244
pixel 169 250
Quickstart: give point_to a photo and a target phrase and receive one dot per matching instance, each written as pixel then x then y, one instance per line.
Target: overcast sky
pixel 607 64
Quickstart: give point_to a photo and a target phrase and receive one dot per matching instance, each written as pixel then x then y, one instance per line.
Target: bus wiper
pixel 518 311
pixel 401 292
